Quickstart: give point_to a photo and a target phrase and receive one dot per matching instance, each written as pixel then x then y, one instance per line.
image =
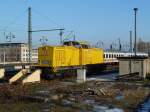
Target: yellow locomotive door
pixel 60 57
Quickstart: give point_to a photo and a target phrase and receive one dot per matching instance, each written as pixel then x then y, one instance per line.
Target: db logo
pixel 44 51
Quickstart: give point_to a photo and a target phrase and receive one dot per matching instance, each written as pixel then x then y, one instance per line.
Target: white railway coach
pixel 112 56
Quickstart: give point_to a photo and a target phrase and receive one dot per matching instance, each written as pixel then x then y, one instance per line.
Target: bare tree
pixel 143 46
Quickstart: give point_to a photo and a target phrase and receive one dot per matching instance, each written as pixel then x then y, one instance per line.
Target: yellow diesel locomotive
pixel 71 54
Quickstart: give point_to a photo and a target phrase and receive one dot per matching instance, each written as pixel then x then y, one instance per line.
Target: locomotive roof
pixel 77 42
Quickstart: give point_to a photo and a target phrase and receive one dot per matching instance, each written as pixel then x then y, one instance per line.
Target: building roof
pixel 6 44
pixel 133 57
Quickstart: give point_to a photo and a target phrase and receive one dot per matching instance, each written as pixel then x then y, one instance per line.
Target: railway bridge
pixel 11 66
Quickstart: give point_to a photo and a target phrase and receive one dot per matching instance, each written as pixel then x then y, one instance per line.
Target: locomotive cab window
pixel 77 44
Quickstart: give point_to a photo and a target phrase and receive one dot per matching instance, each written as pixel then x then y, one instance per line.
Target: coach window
pixel 109 56
pixel 105 55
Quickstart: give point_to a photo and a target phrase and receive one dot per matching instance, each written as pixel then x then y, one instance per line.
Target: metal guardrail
pixel 17 63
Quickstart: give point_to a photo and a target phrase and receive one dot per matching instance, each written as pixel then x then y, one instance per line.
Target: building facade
pixel 35 55
pixel 16 52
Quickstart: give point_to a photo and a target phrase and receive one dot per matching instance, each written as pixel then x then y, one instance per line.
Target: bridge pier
pixel 2 73
pixel 23 77
pixel 131 65
pixel 81 75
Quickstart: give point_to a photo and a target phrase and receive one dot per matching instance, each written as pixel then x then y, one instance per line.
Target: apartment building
pixel 16 52
pixel 35 55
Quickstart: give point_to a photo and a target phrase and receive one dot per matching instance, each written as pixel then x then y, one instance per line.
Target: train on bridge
pixel 111 56
pixel 69 58
pixel 73 55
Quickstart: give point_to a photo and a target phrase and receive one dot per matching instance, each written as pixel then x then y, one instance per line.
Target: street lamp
pixel 10 37
pixel 135 13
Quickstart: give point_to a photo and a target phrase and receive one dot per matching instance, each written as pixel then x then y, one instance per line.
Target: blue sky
pixel 91 20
